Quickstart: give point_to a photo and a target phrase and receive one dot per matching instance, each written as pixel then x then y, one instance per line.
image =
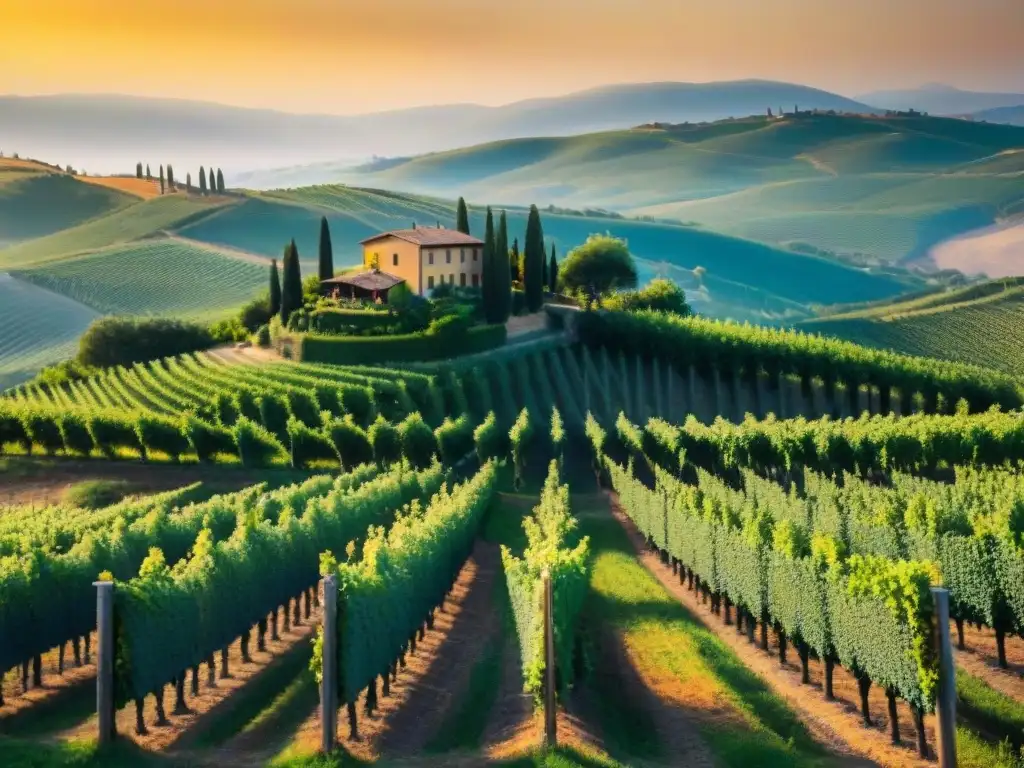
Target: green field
pixel 160 277
pixel 29 338
pixel 982 324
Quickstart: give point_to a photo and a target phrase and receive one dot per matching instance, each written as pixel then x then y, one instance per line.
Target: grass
pixel 158 277
pixel 34 204
pixel 31 339
pixel 995 713
pixel 93 494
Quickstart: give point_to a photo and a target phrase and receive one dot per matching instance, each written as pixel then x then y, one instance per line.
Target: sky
pixel 356 56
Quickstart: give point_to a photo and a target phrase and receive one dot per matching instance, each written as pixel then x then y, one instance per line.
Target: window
pixel 394 259
pixel 451 279
pixel 462 255
pixel 430 257
pixel 430 282
pixel 476 280
pixel 476 252
pixel 448 256
pixel 462 278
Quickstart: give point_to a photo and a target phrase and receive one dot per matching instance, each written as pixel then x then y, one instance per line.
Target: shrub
pixel 660 294
pixel 228 330
pixel 255 314
pixel 263 336
pixel 160 433
pixel 454 439
pixel 42 429
pixel 111 431
pixel 358 402
pixel 256 446
pixel 207 440
pixel 308 445
pixel 351 321
pixel 367 350
pixel 419 446
pixel 386 442
pixel 488 439
pixel 298 320
pixel 94 494
pixel 350 441
pixel 112 341
pixel 74 431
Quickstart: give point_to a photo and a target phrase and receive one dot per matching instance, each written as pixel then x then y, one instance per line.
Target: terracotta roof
pixel 373 280
pixel 428 236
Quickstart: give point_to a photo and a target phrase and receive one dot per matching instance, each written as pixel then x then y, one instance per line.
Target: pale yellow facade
pixel 424 267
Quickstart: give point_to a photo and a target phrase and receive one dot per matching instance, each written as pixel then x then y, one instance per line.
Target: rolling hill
pixel 880 188
pixel 1009 115
pixel 939 99
pixel 115 132
pixel 981 324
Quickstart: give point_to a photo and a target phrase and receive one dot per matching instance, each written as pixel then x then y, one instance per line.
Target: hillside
pixel 1010 115
pixel 981 324
pixel 878 188
pixel 114 132
pixel 939 99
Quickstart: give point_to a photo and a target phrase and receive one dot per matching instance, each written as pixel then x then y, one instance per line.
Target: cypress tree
pixel 291 289
pixel 462 217
pixel 503 289
pixel 553 270
pixel 202 180
pixel 170 177
pixel 544 261
pixel 188 181
pixel 149 176
pixel 138 170
pixel 533 262
pixel 489 282
pixel 161 179
pixel 220 180
pixel 326 251
pixel 275 289
pixel 513 260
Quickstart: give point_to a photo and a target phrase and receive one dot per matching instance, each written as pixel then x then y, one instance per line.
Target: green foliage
pixel 554 549
pixel 160 434
pixel 660 295
pixel 490 281
pixel 326 251
pixel 462 217
pixel 419 445
pixel 309 445
pixel 94 494
pixel 291 284
pixel 519 437
pixel 454 439
pixel 274 299
pixel 74 432
pixel 257 447
pixel 358 350
pixel 209 440
pixel 488 440
pixel 352 443
pixel 603 263
pixel 534 259
pixel 351 321
pixel 385 441
pixel 114 341
pixel 502 276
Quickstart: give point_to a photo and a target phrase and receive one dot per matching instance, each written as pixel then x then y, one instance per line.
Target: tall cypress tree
pixel 170 178
pixel 490 278
pixel 533 262
pixel 553 270
pixel 326 251
pixel 513 260
pixel 462 217
pixel 220 181
pixel 188 181
pixel 503 290
pixel 149 176
pixel 291 290
pixel 544 261
pixel 138 170
pixel 202 180
pixel 275 288
pixel 161 179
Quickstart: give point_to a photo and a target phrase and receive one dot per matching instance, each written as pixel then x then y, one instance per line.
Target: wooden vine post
pixel 105 660
pixel 550 722
pixel 329 678
pixel 945 703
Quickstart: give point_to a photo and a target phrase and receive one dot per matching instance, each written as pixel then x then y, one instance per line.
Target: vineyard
pixel 683 540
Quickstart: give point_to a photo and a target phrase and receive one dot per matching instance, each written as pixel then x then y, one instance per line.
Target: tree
pixel 291 288
pixel 533 261
pixel 544 261
pixel 602 264
pixel 513 260
pixel 660 294
pixel 149 176
pixel 220 181
pixel 161 179
pixel 202 180
pixel 188 182
pixel 502 273
pixel 275 288
pixel 138 170
pixel 170 178
pixel 489 278
pixel 553 271
pixel 326 270
pixel 462 217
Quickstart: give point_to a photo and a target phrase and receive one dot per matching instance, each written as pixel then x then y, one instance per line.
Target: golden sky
pixel 349 56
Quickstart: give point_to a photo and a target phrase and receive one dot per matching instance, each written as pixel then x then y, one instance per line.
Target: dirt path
pixel 835 724
pixel 981 660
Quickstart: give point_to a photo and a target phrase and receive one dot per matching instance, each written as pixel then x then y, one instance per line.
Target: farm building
pixel 424 257
pixel 372 284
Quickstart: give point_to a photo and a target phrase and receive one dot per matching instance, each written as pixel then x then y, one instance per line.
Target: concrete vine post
pixel 329 680
pixel 105 660
pixel 945 697
pixel 550 722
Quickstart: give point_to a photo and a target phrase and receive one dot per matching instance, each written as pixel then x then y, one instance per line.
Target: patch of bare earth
pixel 981 659
pixel 211 702
pixel 55 684
pixel 433 678
pixel 837 724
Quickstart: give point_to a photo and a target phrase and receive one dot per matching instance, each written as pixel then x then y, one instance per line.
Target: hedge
pixel 365 350
pixel 338 321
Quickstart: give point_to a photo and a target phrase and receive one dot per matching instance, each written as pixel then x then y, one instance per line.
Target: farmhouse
pixel 425 257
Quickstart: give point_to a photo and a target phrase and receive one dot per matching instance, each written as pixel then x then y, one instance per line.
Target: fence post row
pixel 105 660
pixel 329 681
pixel 550 723
pixel 945 704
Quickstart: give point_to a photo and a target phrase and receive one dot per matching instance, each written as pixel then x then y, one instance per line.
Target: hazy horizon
pixel 319 56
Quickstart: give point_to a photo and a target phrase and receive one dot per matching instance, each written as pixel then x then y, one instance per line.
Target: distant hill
pixel 112 133
pixel 938 99
pixel 981 324
pixel 874 188
pixel 1007 115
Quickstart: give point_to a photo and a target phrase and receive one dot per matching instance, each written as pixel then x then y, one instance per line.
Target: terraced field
pixel 30 339
pixel 161 277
